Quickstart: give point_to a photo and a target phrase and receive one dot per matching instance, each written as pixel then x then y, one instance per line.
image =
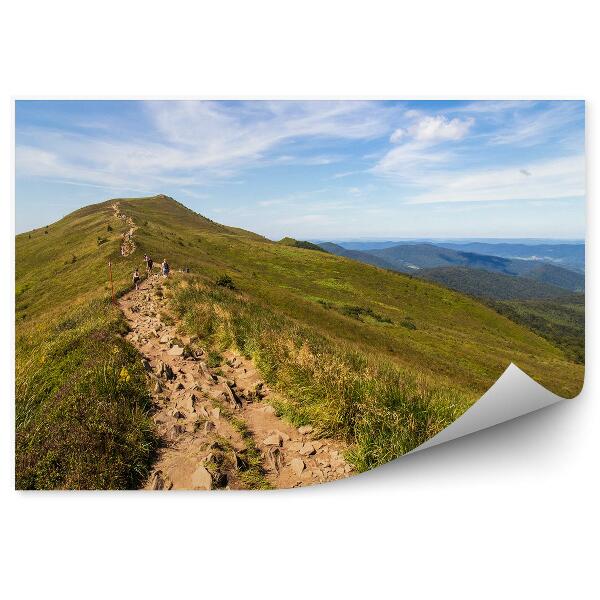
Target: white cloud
pixel 439 129
pixel 397 135
pixel 415 146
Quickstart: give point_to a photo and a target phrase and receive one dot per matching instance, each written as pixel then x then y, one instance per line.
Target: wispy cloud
pixel 560 178
pixel 192 141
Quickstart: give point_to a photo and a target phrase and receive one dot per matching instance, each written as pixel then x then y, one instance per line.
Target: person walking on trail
pixel 149 264
pixel 136 279
pixel 165 268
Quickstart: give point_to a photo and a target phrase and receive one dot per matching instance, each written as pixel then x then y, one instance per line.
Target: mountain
pixel 411 257
pixel 363 257
pixel 366 245
pixel 372 357
pixel 487 284
pixel 570 256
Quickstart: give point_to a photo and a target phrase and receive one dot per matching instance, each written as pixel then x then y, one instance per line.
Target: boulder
pixel 188 402
pixel 201 479
pixel 297 465
pixel 307 449
pixel 273 440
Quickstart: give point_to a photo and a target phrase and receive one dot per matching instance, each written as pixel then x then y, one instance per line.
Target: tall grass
pixel 82 407
pixel 382 411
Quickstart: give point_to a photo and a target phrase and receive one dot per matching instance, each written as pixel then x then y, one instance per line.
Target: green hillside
pixel 379 358
pixel 559 320
pixel 487 284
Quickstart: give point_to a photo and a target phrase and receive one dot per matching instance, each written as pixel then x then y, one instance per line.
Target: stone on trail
pixel 284 436
pixel 164 339
pixel 273 440
pixel 304 429
pixel 215 413
pixel 201 479
pixel 158 387
pixel 274 459
pixel 269 410
pixel 158 483
pixel 188 402
pixel 307 449
pixel 297 465
pixel 176 431
pixel 178 414
pixel 175 351
pixel 164 370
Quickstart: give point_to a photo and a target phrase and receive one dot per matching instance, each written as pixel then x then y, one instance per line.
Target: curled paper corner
pixel 514 394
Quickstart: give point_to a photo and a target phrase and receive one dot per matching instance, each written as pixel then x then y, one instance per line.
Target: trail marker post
pixel 112 287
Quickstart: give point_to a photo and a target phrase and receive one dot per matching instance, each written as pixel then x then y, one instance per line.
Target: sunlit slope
pixel 444 335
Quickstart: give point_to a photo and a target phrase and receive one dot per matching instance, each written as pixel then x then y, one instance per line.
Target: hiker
pixel 136 279
pixel 165 268
pixel 149 264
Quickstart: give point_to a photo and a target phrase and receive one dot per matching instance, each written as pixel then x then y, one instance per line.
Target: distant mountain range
pixel 413 257
pixel 570 256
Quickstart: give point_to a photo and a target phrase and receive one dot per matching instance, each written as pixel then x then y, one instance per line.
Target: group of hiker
pixel 164 269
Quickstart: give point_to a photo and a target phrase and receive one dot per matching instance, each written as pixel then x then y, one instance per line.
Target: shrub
pixel 408 323
pixel 226 282
pixel 214 359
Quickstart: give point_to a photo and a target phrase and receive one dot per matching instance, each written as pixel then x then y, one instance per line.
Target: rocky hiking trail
pixel 127 243
pixel 216 426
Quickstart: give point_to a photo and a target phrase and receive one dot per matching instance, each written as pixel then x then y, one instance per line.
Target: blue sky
pixel 314 169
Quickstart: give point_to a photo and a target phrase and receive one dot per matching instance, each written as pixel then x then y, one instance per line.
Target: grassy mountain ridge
pixel 297 306
pixel 287 278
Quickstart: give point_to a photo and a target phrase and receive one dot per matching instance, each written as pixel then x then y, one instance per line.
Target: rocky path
pixel 216 425
pixel 127 243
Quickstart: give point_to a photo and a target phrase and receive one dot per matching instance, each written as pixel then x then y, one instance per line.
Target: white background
pixel 507 513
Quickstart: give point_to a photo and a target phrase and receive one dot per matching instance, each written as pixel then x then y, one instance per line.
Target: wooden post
pixel 112 287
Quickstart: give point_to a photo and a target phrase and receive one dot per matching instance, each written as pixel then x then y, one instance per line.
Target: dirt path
pixel 127 243
pixel 216 425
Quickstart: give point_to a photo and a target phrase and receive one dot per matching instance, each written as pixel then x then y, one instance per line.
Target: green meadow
pixel 377 358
